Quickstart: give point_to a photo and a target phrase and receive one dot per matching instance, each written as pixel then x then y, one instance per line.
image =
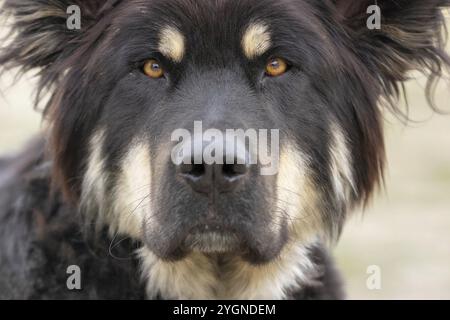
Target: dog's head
pixel 136 89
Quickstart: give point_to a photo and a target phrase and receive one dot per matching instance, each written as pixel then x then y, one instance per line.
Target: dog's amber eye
pixel 153 69
pixel 276 67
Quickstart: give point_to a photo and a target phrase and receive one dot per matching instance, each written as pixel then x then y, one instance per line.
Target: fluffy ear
pixel 39 35
pixel 411 37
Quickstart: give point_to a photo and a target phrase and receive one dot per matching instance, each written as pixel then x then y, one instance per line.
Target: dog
pixel 100 190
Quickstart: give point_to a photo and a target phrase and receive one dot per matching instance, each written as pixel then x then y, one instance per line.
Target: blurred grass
pixel 18 120
pixel 407 229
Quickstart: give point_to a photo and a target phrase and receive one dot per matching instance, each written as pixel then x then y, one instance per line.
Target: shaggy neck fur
pixel 203 276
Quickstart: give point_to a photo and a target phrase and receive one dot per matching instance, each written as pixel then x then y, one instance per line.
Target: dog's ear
pixel 40 31
pixel 410 36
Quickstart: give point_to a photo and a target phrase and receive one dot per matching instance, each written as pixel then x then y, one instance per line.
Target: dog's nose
pixel 206 175
pixel 204 178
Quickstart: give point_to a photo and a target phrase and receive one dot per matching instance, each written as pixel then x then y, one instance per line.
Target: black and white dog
pixel 100 189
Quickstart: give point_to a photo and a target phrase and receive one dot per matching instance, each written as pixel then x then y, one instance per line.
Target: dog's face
pixel 144 69
pixel 166 65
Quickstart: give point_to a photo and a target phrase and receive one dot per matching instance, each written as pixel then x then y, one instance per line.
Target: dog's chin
pixel 257 243
pixel 211 242
pixel 220 243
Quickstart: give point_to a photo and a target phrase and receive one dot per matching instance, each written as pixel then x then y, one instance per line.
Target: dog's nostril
pixel 233 170
pixel 185 168
pixel 206 178
pixel 194 170
pixel 198 170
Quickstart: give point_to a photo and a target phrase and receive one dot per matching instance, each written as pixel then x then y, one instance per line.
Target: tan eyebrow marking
pixel 172 43
pixel 256 40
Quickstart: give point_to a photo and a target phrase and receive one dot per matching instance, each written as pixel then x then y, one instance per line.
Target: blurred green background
pixel 406 229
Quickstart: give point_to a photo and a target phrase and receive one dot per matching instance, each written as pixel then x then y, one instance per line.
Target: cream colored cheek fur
pixel 124 209
pixel 341 165
pixel 132 191
pixel 297 198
